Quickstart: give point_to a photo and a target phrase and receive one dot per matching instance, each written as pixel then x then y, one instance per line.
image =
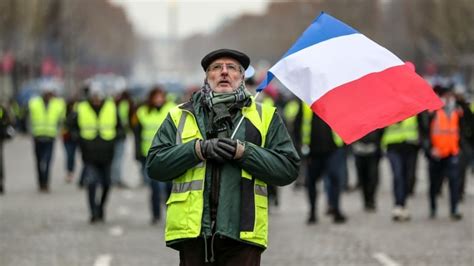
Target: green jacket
pixel 277 163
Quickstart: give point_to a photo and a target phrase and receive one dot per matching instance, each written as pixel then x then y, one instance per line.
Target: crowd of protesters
pixel 444 137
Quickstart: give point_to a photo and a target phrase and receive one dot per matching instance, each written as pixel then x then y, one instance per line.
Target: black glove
pixel 235 147
pixel 214 149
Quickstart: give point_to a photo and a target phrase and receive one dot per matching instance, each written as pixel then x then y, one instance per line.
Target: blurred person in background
pixel 218 209
pixel 471 137
pixel 124 105
pixel 466 123
pixel 401 142
pixel 367 153
pixel 146 122
pixel 83 96
pixel 326 156
pixel 7 131
pixel 70 144
pixel 442 148
pixel 96 124
pixel 18 115
pixel 46 113
pixel 290 111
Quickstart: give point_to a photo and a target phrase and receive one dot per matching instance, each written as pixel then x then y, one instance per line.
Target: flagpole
pixel 242 119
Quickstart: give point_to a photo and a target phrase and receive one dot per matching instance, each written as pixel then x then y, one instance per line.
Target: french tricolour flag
pixel 351 82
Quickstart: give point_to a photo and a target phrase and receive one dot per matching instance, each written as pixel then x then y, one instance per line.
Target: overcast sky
pixel 150 17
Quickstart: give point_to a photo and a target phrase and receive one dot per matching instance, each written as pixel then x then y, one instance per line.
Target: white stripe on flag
pixel 315 70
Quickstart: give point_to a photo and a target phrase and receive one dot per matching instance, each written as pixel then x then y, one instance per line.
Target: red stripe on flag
pixel 375 101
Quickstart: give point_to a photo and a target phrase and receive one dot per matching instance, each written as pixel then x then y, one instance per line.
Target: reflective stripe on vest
pixel 150 121
pixel 45 119
pixel 185 205
pixel 187 186
pixel 90 125
pixel 407 130
pixel 445 133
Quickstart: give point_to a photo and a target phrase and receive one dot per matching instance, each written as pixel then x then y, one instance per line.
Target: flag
pixel 351 82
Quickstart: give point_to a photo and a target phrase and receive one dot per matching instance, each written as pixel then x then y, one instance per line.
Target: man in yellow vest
pixel 96 124
pixel 146 122
pixel 326 158
pixel 218 208
pixel 46 113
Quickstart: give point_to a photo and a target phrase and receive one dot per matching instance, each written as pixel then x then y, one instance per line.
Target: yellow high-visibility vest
pixel 92 125
pixel 45 119
pixel 124 109
pixel 150 120
pixel 407 130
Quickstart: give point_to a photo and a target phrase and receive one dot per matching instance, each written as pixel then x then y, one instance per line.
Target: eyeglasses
pixel 218 67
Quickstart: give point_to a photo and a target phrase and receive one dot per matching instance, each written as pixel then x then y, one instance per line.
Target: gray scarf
pixel 219 105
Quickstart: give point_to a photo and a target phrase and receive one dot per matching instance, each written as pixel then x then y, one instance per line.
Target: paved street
pixel 53 229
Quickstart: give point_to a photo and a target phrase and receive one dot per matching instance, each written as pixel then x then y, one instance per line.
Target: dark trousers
pixel 157 189
pixel 464 157
pixel 43 154
pixel 411 161
pixel 438 169
pixel 336 177
pixel 97 176
pixel 368 175
pixel 227 252
pixel 328 165
pixel 82 178
pixel 402 165
pixel 70 147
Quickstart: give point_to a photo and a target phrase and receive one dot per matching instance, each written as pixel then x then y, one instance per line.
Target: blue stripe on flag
pixel 323 28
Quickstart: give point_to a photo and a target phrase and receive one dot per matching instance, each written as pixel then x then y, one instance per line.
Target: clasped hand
pixel 221 149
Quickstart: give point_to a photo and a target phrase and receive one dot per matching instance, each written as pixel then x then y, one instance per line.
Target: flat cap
pixel 242 58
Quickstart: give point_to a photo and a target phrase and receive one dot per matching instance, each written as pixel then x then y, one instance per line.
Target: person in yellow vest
pixel 326 158
pixel 46 113
pixel 401 142
pixel 149 118
pixel 443 151
pixel 218 208
pixel 69 143
pixel 96 124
